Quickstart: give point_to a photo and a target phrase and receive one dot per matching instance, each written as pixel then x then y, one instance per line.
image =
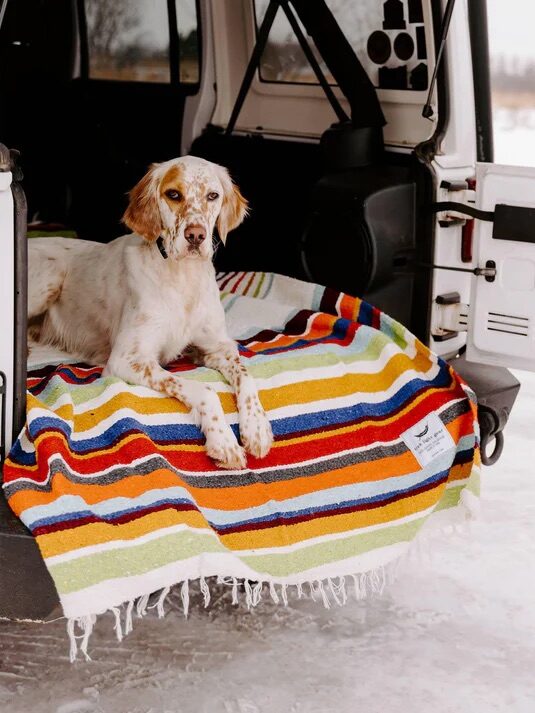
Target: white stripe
pixel 290 410
pixel 98 598
pixel 89 550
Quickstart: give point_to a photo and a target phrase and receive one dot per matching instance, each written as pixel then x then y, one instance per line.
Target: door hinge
pixel 451 213
pixel 450 316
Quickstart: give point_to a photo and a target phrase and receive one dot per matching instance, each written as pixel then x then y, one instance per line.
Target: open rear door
pixel 7 303
pixel 502 305
pixel 13 301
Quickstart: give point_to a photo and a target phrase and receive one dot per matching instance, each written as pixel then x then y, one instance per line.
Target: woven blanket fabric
pixel 374 436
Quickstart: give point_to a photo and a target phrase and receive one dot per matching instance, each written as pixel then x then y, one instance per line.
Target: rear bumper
pixel 496 390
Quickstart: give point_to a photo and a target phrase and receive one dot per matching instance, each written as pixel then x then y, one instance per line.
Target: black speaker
pixel 360 237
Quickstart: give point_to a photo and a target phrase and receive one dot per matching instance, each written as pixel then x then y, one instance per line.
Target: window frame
pixel 409 96
pixel 188 88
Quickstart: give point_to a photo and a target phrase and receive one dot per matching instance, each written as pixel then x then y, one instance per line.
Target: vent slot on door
pixel 508 324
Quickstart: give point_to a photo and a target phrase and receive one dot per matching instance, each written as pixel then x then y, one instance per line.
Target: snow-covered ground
pixel 456 632
pixel 514 136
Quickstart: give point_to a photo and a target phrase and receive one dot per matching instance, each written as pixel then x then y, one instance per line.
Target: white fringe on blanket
pixel 331 591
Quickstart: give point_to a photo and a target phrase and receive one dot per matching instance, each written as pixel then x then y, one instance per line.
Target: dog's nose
pixel 195 234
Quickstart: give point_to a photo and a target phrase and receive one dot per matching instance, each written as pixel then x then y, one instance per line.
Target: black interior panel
pixel 83 142
pixel 122 127
pixel 353 230
pixel 36 65
pixel 277 178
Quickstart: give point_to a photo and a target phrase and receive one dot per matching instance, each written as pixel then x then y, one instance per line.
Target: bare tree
pixel 108 22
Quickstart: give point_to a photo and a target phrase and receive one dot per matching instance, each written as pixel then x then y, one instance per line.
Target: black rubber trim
pixel 513 222
pixel 3 390
pixel 479 40
pixel 83 37
pixel 449 298
pixel 174 43
pixel 20 355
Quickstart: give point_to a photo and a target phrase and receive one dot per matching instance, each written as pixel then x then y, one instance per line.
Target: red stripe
pixel 225 282
pixel 198 461
pixel 285 521
pixel 122 519
pixel 235 287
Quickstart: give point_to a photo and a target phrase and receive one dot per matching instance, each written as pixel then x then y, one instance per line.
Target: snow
pixel 456 632
pixel 514 136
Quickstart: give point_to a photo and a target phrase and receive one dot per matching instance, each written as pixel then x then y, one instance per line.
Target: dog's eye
pixel 173 195
pixel 213 196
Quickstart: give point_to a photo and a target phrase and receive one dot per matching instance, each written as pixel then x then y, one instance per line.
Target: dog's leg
pixel 255 428
pixel 221 443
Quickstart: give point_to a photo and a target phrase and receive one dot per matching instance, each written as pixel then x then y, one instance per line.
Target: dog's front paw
pixel 256 434
pixel 224 449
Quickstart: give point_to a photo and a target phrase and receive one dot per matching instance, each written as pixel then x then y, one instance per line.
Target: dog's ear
pixel 143 213
pixel 234 208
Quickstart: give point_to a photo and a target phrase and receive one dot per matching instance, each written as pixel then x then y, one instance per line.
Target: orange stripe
pixel 379 470
pixel 348 308
pixel 290 534
pixel 226 498
pixel 96 533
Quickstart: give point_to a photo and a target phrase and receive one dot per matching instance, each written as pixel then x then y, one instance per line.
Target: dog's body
pixel 127 306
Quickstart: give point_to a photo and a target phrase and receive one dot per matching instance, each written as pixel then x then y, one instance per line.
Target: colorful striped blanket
pixel 374 436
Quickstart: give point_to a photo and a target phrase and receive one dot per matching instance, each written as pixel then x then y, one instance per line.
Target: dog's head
pixel 182 200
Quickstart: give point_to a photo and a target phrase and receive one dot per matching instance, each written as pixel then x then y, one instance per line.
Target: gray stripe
pixel 224 479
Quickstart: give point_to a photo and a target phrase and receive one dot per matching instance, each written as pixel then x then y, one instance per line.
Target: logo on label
pixel 428 439
pixel 423 433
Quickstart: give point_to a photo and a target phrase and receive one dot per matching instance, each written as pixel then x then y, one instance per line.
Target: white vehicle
pixel 365 151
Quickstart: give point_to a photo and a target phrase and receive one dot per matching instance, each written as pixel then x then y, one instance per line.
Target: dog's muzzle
pixel 195 235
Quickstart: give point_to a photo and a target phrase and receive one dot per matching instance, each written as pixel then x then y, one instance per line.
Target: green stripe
pixel 257 291
pixel 452 496
pixel 285 564
pixel 85 571
pixel 267 369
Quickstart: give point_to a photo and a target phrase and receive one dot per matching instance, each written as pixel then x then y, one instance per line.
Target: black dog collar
pixel 161 248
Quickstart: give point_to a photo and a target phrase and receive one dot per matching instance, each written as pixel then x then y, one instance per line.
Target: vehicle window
pixel 128 40
pixel 512 62
pixel 388 38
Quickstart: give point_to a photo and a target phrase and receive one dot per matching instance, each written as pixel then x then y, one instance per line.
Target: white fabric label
pixel 428 439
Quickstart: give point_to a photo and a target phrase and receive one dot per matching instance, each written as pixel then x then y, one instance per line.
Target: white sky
pixel 511 22
pixel 152 21
pixel 512 27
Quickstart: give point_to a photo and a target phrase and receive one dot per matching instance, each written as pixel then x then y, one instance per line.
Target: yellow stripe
pixel 291 534
pixel 292 394
pixel 94 533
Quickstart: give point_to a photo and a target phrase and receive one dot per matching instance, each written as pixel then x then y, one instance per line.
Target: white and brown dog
pixel 143 299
